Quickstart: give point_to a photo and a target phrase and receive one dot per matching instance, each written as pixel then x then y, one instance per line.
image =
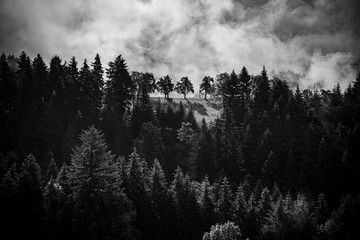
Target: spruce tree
pixel 101 209
pixel 30 208
pixel 42 90
pixel 98 82
pixel 119 87
pixel 262 92
pixel 224 202
pixel 206 202
pixel 26 82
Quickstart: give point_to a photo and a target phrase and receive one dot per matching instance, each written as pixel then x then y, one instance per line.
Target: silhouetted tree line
pixel 277 164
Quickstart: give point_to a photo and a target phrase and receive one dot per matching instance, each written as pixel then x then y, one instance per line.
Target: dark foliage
pixel 279 163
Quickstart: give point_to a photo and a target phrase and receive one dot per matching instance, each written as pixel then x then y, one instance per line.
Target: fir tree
pixel 102 210
pixel 226 231
pixel 262 92
pixel 30 199
pixel 118 87
pixel 224 202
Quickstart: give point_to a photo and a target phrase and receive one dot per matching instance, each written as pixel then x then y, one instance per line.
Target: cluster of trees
pixel 277 163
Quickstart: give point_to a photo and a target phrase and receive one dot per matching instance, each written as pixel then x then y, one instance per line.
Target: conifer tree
pixel 224 202
pixel 226 231
pixel 98 82
pixel 262 92
pixel 102 210
pixel 8 206
pixel 42 90
pixel 30 198
pixel 188 218
pixel 52 169
pixel 119 87
pixel 26 82
pixel 206 202
pixel 245 90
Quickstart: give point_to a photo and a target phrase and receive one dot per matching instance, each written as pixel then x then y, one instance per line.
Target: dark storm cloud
pixel 307 42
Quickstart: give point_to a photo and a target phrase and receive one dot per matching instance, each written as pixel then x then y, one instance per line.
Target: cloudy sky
pixel 302 41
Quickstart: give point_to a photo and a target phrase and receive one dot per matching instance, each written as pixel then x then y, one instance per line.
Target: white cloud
pixel 185 37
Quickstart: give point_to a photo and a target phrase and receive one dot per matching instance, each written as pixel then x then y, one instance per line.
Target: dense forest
pixel 85 154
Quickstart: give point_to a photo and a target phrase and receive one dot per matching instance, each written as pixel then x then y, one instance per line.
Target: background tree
pixel 118 87
pixel 207 86
pixel 184 87
pixel 165 86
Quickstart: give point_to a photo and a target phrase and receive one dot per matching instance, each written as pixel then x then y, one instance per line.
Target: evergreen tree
pixel 336 97
pixel 224 202
pixel 206 202
pixel 98 82
pixel 29 201
pixel 54 199
pixel 262 92
pixel 102 210
pixel 245 90
pixel 226 231
pixel 118 87
pixel 52 170
pixel 137 188
pixel 142 110
pixel 163 220
pixel 26 82
pixel 8 206
pixel 188 218
pixel 42 90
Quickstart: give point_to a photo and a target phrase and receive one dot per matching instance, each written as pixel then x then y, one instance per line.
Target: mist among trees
pixel 87 153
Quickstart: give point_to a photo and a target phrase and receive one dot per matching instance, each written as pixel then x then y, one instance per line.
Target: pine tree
pixel 118 87
pixel 137 187
pixel 30 199
pixel 225 201
pixel 8 206
pixel 161 202
pixel 26 82
pixel 245 90
pixel 226 231
pixel 54 201
pixel 102 210
pixel 336 96
pixel 206 202
pixel 142 110
pixel 42 90
pixel 98 82
pixel 188 218
pixel 240 207
pixel 262 92
pixel 231 99
pixel 52 170
pixel 56 81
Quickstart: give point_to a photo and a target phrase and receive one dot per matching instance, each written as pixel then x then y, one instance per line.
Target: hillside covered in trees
pixel 85 154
